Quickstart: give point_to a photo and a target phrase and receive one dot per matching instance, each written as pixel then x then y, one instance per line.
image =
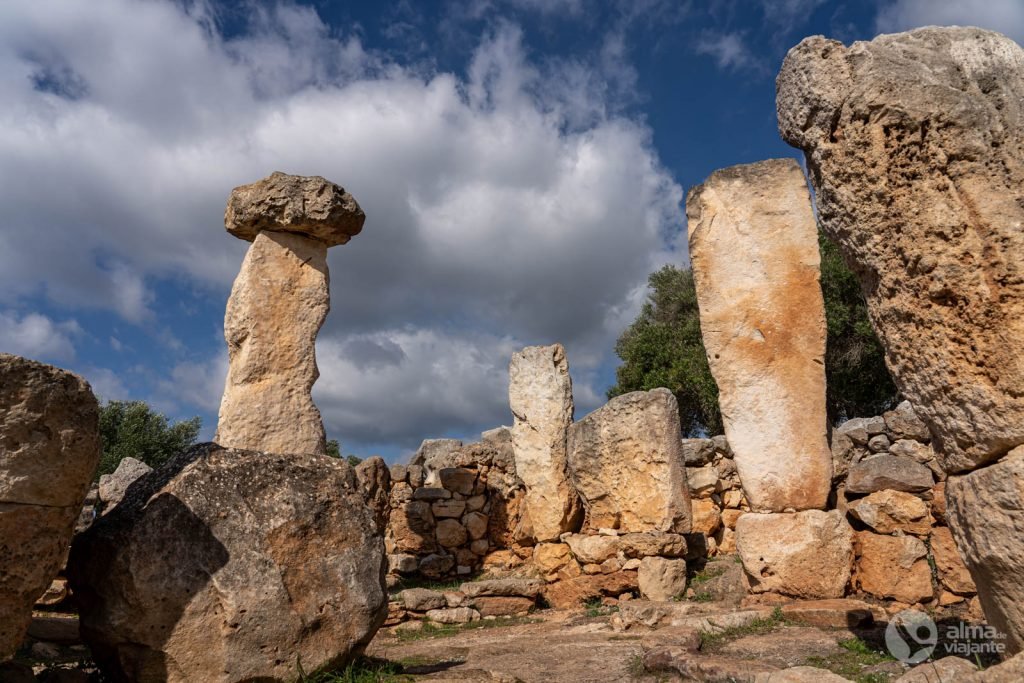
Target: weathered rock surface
pixel 950 566
pixel 886 511
pixel 984 509
pixel 306 205
pixel 374 480
pixel 49 449
pixel 226 565
pixel 803 554
pixel 540 395
pixel 754 249
pixel 894 567
pixel 662 578
pixel 626 462
pixel 893 472
pixel 278 303
pixel 112 487
pixel 914 147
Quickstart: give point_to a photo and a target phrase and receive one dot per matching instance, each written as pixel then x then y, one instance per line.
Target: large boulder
pixel 805 554
pixel 49 449
pixel 754 249
pixel 893 567
pixel 626 462
pixel 985 510
pixel 112 487
pixel 540 395
pixel 226 565
pixel 914 146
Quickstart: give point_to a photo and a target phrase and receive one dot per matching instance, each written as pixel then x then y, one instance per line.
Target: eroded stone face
pixel 754 251
pixel 805 554
pixel 626 462
pixel 914 146
pixel 278 303
pixel 540 395
pixel 306 205
pixel 984 512
pixel 49 449
pixel 227 565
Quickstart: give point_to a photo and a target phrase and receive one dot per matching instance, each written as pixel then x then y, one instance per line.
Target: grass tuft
pixel 857 655
pixel 712 640
pixel 434 630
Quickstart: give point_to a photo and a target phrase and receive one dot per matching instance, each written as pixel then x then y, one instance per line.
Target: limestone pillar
pixel 915 145
pixel 540 395
pixel 754 250
pixel 278 303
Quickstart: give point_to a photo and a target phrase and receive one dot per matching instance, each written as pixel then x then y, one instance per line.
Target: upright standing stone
pixel 627 464
pixel 540 395
pixel 49 448
pixel 915 145
pixel 278 303
pixel 754 249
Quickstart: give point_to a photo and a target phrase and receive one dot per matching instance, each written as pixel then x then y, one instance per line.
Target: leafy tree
pixel 132 428
pixel 334 450
pixel 663 348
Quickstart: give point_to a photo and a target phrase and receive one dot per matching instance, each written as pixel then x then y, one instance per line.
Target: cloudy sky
pixel 521 163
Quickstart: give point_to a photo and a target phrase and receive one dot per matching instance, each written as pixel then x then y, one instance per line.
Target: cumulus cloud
pixel 1005 16
pixel 504 207
pixel 37 336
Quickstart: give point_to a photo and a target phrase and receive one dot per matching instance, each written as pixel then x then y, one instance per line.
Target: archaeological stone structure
pixel 49 449
pixel 915 149
pixel 226 565
pixel 540 395
pixel 278 303
pixel 626 463
pixel 754 250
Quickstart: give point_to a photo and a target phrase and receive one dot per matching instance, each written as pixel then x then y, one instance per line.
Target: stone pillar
pixel 278 303
pixel 754 250
pixel 49 449
pixel 915 146
pixel 540 395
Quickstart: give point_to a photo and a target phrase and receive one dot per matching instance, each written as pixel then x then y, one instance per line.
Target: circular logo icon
pixel 911 636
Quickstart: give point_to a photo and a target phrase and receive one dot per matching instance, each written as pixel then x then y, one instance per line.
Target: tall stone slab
pixel 540 395
pixel 49 449
pixel 278 303
pixel 915 146
pixel 626 462
pixel 754 251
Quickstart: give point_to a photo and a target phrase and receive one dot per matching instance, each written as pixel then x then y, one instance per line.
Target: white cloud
pixel 106 384
pixel 729 50
pixel 1005 16
pixel 37 336
pixel 510 205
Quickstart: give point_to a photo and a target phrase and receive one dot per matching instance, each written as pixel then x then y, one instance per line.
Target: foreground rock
pixel 914 145
pixel 754 248
pixel 804 554
pixel 627 465
pixel 540 395
pixel 278 303
pixel 49 449
pixel 227 565
pixel 984 509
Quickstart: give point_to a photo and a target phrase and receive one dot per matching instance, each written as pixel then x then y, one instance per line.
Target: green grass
pixel 363 670
pixel 857 655
pixel 431 584
pixel 434 630
pixel 702 596
pixel 712 640
pixel 706 575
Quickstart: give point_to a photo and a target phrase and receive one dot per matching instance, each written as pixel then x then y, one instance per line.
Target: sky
pixel 522 165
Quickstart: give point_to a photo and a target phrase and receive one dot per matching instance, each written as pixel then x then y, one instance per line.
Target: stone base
pixel 802 554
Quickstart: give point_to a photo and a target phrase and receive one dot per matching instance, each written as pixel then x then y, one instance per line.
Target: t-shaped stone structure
pixel 278 303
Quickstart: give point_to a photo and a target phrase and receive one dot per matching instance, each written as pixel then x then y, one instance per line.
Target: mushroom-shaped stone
pixel 307 205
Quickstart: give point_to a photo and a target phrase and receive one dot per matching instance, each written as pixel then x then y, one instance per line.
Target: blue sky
pixel 522 164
